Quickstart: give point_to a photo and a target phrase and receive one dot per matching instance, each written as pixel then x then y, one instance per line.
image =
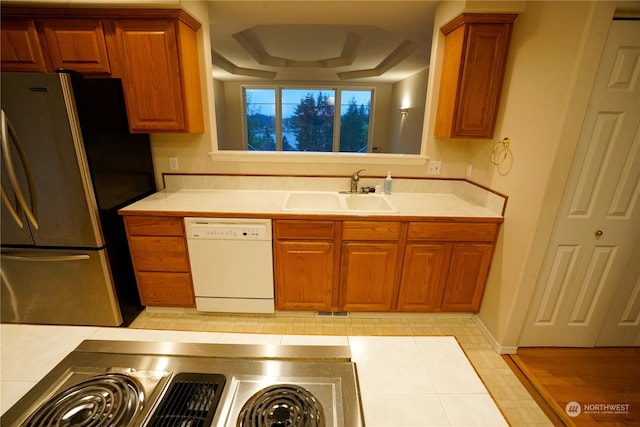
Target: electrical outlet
pixel 469 170
pixel 433 167
pixel 173 163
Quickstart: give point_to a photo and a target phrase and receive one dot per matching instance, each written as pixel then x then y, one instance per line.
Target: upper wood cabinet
pixel 475 56
pixel 161 75
pixel 20 47
pixel 76 44
pixel 153 51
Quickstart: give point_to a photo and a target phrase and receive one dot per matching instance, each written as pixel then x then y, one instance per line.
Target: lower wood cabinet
pixel 386 266
pixel 324 265
pixel 165 289
pixel 304 264
pixel 368 276
pixel 446 265
pixel 304 275
pixel 468 272
pixel 369 265
pixel 160 260
pixel 424 276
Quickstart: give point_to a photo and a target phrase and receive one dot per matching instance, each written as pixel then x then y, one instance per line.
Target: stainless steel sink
pixel 322 201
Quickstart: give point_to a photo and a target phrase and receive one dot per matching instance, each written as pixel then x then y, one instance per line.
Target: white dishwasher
pixel 231 264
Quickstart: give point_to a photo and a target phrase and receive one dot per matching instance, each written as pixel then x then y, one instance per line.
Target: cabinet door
pixel 21 49
pixel 467 277
pixel 76 44
pixel 486 56
pixel 424 275
pixel 368 280
pixel 304 275
pixel 151 79
pixel 475 56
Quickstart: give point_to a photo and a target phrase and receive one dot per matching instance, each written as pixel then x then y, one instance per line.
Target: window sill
pixel 329 158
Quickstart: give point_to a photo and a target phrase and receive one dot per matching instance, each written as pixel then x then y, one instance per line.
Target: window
pixel 318 120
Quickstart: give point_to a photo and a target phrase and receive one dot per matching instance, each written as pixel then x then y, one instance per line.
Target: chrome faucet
pixel 355 177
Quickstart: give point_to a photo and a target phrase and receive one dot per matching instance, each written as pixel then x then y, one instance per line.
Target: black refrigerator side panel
pixel 120 162
pixel 67 215
pixel 122 172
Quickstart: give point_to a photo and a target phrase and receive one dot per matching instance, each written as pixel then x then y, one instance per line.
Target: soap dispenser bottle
pixel 387 183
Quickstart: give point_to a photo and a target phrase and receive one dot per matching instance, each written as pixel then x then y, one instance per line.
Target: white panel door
pixel 591 262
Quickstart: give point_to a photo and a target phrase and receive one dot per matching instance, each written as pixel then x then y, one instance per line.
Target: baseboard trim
pixel 499 348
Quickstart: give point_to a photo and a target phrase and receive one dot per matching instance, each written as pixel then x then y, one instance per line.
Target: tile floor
pixel 517 406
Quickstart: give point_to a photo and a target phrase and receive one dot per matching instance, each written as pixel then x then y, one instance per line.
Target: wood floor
pixel 602 383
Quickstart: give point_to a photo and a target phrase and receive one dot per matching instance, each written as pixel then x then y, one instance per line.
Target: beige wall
pixel 405 133
pixel 554 56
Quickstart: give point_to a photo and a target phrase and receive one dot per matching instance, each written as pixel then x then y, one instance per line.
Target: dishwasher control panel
pixel 229 229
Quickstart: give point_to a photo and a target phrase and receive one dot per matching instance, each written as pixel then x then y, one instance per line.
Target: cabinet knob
pixel 599 233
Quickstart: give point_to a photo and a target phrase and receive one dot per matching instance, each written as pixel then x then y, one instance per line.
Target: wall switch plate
pixel 433 167
pixel 469 170
pixel 173 163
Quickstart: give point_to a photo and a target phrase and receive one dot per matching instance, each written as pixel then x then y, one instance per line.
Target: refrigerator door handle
pixel 12 210
pixel 45 258
pixel 31 211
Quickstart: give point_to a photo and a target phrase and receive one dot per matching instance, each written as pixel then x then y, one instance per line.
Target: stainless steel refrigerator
pixel 69 163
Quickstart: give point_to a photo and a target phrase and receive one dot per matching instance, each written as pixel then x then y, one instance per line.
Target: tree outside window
pixel 260 119
pixel 354 121
pixel 308 120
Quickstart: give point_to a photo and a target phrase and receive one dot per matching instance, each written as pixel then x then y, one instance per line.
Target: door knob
pixel 599 233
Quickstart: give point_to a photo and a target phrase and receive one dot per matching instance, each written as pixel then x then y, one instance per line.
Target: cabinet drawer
pixel 154 226
pixel 303 229
pixel 453 231
pixel 159 253
pixel 371 230
pixel 165 289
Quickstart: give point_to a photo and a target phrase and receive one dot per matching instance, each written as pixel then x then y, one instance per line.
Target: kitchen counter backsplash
pixel 466 190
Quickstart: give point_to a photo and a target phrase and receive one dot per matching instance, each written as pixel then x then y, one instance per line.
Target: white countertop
pixel 269 203
pixel 404 381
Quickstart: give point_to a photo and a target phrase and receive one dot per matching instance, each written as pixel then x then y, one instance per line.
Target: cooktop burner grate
pixel 282 405
pixel 190 401
pixel 100 401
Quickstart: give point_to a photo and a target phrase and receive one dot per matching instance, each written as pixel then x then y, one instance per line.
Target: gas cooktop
pixel 124 383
